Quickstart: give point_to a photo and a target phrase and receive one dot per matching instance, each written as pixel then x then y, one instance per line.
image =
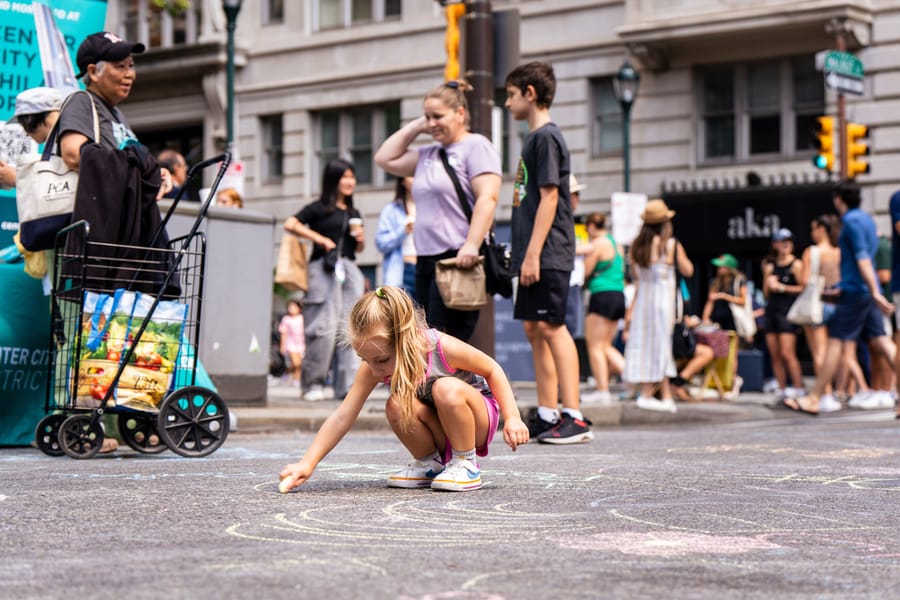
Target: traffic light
pixel 823 133
pixel 454 13
pixel 856 149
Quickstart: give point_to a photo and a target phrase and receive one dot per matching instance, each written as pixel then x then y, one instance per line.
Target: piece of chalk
pixel 283 486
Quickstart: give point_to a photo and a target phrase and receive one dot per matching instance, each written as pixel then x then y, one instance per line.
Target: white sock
pixel 434 456
pixel 575 414
pixel 550 415
pixel 468 454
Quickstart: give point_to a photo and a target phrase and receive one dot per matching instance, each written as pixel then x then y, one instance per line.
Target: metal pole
pixel 840 41
pixel 626 145
pixel 478 36
pixel 231 22
pixel 479 57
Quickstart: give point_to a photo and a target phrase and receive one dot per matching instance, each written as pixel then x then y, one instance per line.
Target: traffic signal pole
pixel 841 43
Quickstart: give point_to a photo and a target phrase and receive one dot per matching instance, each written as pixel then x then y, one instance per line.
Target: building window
pixel 272 135
pixel 607 122
pixel 355 134
pixel 159 28
pixel 273 12
pixel 331 14
pixel 761 109
pixel 512 134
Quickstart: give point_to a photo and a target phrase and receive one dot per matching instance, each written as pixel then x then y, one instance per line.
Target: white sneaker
pixel 417 474
pixel 460 475
pixel 667 405
pixel 858 398
pixel 828 403
pixel 328 393
pixel 601 397
pixel 314 394
pixel 877 400
pixel 770 386
pixel 794 392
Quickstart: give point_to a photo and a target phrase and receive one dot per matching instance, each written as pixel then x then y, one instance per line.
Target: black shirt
pixel 313 215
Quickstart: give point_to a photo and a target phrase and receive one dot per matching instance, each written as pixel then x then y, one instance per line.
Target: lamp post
pixel 231 8
pixel 625 86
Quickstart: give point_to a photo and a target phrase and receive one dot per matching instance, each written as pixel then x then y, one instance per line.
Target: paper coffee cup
pixel 355 224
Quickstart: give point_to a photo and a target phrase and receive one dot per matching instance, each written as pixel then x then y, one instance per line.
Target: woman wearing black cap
pixel 106 66
pixel 782 272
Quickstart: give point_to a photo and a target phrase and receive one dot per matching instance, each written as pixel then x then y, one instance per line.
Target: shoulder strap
pixel 456 184
pixel 54 132
pixel 340 241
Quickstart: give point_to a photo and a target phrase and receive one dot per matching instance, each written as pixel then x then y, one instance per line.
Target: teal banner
pixel 38 41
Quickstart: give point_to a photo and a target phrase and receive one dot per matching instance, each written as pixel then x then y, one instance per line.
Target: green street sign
pixel 843 63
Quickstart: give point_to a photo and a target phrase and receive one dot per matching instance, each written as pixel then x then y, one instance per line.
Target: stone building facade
pixel 720 128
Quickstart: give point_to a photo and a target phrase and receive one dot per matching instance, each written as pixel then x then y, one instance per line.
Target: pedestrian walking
pixel 860 304
pixel 543 253
pixel 447 232
pixel 445 403
pixel 335 282
pixel 650 318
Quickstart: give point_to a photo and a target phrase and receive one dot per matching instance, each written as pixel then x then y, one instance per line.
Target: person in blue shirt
pixel 394 239
pixel 860 305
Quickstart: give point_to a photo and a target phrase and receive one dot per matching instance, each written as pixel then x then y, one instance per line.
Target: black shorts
pixel 777 322
pixel 610 305
pixel 544 300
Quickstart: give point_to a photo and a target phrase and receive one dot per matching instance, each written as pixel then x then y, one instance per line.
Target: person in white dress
pixel 650 317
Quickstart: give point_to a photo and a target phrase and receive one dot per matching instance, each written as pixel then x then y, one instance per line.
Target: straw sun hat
pixel 656 212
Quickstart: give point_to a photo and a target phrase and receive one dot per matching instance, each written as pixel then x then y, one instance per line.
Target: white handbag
pixel 807 307
pixel 744 321
pixel 45 190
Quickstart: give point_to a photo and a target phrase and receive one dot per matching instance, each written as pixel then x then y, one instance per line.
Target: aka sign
pixel 749 226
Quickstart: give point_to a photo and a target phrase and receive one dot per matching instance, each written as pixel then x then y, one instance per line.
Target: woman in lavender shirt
pixel 442 229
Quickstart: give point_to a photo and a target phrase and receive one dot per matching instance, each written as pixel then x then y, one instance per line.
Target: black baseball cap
pixel 104 46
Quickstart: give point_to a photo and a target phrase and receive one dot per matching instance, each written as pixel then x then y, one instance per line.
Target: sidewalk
pixel 285 411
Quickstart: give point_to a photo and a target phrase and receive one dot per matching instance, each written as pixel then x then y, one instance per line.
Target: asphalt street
pixel 788 507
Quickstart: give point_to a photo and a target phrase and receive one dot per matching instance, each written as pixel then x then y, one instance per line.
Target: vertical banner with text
pixel 34 55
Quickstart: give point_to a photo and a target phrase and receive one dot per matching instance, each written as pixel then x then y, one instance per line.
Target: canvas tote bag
pixel 45 190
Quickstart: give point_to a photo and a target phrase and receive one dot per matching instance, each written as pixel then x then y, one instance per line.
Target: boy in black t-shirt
pixel 543 251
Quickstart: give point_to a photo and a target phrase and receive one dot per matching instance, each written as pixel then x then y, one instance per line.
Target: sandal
pixel 796 404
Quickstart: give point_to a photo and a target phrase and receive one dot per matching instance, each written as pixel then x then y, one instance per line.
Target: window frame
pixel 345 16
pixel 348 147
pixel 267 18
pixel 270 150
pixel 788 112
pixel 597 118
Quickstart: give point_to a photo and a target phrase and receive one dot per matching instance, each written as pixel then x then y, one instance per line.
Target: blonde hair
pixel 453 95
pixel 388 315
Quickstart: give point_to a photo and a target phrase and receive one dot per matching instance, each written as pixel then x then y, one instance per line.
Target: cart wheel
pixel 80 436
pixel 193 421
pixel 140 433
pixel 47 435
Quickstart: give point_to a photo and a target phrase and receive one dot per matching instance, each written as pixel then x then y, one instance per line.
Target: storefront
pixel 741 221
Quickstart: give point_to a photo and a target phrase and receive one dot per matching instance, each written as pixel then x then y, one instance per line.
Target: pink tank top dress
pixel 437 367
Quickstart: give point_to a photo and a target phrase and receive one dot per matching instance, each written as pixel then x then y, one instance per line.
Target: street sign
pixel 844 84
pixel 843 63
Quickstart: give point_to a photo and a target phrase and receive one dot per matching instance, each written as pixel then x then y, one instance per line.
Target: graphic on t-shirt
pixel 123 135
pixel 520 184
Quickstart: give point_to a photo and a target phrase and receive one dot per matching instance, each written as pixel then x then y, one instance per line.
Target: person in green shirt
pixel 605 280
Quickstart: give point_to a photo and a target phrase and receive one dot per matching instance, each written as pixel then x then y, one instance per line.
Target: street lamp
pixel 231 8
pixel 625 86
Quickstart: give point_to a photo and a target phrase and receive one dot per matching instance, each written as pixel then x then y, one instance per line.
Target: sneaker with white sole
pixel 794 392
pixel 667 405
pixel 417 474
pixel 568 430
pixel 460 475
pixel 877 400
pixel 858 398
pixel 828 403
pixel 598 397
pixel 314 394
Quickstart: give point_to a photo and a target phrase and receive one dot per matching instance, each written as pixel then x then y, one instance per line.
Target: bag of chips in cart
pixel 103 335
pixel 147 377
